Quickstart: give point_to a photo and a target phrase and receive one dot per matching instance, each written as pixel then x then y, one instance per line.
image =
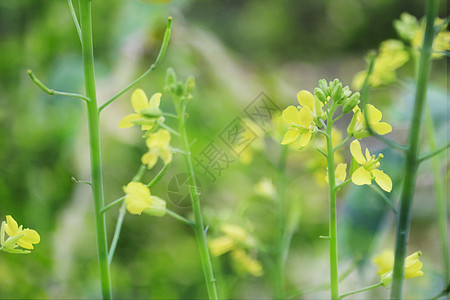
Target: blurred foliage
pixel 235 49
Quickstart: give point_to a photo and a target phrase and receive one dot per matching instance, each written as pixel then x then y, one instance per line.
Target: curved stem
pixel 75 19
pixel 158 60
pixel 52 91
pixel 413 152
pixel 361 290
pixel 179 218
pixel 94 143
pixel 199 228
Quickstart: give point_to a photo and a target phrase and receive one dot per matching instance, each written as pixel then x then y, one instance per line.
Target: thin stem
pixel 94 145
pixel 173 131
pixel 52 91
pixel 199 228
pixel 75 20
pixel 338 117
pixel 342 184
pixel 441 203
pixel 361 290
pixel 156 64
pixel 179 218
pixel 321 152
pixel 343 142
pixel 413 152
pixel 282 247
pixel 385 198
pixel 173 116
pixel 115 240
pixel 158 176
pixel 332 210
pixel 434 152
pixel 112 204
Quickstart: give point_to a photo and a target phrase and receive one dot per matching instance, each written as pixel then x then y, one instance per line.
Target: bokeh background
pixel 236 50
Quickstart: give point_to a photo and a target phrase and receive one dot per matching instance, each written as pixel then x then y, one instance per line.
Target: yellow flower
pixel 368 168
pixel 139 199
pixel 301 124
pixel 158 145
pixel 24 238
pixel 441 42
pixel 391 56
pixel 340 173
pixel 385 263
pixel 247 263
pixel 146 113
pixel 305 98
pixel 358 125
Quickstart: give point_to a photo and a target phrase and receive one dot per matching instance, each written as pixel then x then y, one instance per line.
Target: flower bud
pixel 337 92
pixel 318 92
pixel 171 78
pixel 189 85
pixel 332 85
pixel 346 91
pixel 323 85
pixel 351 103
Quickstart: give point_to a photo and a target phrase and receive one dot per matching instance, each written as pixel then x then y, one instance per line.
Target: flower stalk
pixel 94 145
pixel 412 152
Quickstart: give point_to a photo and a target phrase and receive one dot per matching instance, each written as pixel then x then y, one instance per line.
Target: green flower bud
pixel 337 92
pixel 332 85
pixel 318 92
pixel 346 91
pixel 323 85
pixel 351 103
pixel 171 78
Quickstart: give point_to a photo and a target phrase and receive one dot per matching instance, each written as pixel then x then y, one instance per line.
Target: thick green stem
pixel 441 204
pixel 200 232
pixel 413 152
pixel 94 143
pixel 334 284
pixel 282 245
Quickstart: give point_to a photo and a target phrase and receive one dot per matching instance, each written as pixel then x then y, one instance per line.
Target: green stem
pixel 115 240
pixel 385 198
pixel 441 204
pixel 282 244
pixel 75 19
pixel 158 60
pixel 434 152
pixel 413 152
pixel 158 176
pixel 343 184
pixel 94 143
pixel 179 218
pixel 52 91
pixel 361 290
pixel 334 284
pixel 199 228
pixel 343 142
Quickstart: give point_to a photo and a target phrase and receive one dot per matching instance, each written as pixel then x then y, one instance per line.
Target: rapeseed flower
pixel 18 236
pixel 358 126
pixel 158 146
pixel 139 199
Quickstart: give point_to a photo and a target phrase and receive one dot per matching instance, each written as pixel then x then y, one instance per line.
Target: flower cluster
pixel 18 236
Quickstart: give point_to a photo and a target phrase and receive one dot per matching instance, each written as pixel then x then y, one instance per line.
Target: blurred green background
pixel 236 50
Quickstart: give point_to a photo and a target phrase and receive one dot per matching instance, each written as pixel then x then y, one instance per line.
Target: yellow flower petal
pixel 384 261
pixel 306 117
pixel 155 100
pixel 290 136
pixel 304 139
pixel 221 245
pixel 127 121
pixel 291 115
pixel 413 266
pixel 361 176
pixel 373 115
pixel 382 179
pixel 355 149
pixel 31 237
pixel 159 139
pixel 149 159
pixel 166 156
pixel 139 100
pixel 138 197
pixel 250 265
pixel 341 172
pixel 305 98
pixel 11 226
pixel 382 128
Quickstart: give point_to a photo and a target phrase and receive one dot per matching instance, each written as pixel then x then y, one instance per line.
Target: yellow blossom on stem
pixel 147 113
pixel 247 263
pixel 139 199
pixel 305 98
pixel 368 168
pixel 385 263
pixel 158 144
pixel 18 236
pixel 301 125
pixel 358 126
